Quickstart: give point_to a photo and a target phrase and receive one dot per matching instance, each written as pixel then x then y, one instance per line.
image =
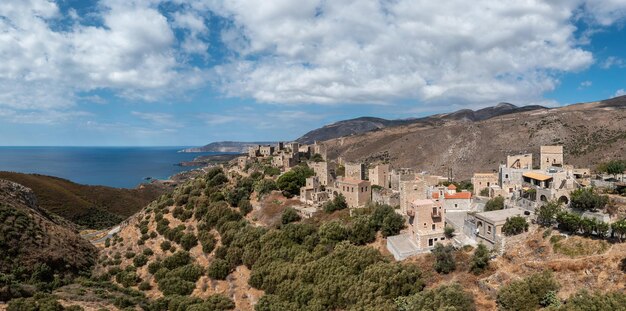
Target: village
pixel 438 209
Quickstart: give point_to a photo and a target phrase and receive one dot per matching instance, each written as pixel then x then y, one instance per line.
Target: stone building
pixel 427 220
pixel 379 175
pixel 266 151
pixel 357 192
pixel 488 225
pixel 312 192
pixel 482 181
pixel 254 151
pixel 324 171
pixel 386 196
pixel 551 156
pixel 411 190
pixel 521 161
pixel 450 198
pixel 398 175
pixel 320 148
pixel 242 162
pixel 355 171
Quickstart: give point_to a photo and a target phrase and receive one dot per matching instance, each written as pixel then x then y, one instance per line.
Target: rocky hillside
pixel 37 247
pixel 367 124
pixel 227 146
pixel 590 133
pixel 92 207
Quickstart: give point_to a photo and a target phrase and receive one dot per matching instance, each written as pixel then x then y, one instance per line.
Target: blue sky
pixel 150 72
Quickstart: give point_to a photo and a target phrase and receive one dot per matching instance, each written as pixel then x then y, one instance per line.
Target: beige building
pixel 324 171
pixel 551 156
pixel 254 152
pixel 522 161
pixel 482 181
pixel 312 193
pixel 489 225
pixel 357 192
pixel 379 175
pixel 320 149
pixel 450 198
pixel 355 171
pixel 427 219
pixel 266 151
pixel 411 190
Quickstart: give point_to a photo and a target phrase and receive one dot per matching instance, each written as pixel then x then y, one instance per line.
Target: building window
pixel 435 239
pixel 443 238
pixel 488 229
pixel 430 242
pixel 434 227
pixel 456 205
pixel 424 225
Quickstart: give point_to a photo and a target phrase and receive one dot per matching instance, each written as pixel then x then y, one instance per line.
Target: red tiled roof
pixel 459 195
pixel 435 195
pixel 452 187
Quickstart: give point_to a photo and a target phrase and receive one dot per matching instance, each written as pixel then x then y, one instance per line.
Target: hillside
pixel 93 207
pixel 37 247
pixel 590 133
pixel 367 124
pixel 227 146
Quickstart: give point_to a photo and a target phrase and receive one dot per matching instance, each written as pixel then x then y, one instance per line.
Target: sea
pixel 120 167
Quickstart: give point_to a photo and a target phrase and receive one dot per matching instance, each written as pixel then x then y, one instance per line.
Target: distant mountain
pixel 367 124
pixel 94 207
pixel 227 146
pixel 469 141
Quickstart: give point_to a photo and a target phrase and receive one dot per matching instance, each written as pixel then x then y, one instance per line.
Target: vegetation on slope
pixel 93 207
pixel 38 253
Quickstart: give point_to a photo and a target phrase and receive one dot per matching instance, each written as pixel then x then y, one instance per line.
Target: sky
pixel 186 73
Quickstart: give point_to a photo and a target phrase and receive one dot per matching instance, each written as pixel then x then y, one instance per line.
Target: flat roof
pixel 500 215
pixel 537 176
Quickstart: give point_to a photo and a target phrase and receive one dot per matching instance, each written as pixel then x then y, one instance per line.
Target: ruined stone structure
pixel 521 161
pixel 379 175
pixel 324 171
pixel 312 192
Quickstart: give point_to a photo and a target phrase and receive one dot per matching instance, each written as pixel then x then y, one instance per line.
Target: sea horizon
pixel 112 166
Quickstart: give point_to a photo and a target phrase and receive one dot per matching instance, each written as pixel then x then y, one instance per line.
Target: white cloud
pixel 158 118
pixel 293 52
pixel 620 92
pixel 132 53
pixel 613 61
pixel 378 51
pixel 585 84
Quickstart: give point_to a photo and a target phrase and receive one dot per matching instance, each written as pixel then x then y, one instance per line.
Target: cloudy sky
pixel 149 72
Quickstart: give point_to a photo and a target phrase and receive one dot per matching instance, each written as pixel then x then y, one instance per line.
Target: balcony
pixel 435 213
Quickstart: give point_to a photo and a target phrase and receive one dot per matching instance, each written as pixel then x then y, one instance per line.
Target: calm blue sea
pixel 121 167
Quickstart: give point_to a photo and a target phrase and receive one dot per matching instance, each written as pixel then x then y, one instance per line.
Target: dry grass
pixel 576 246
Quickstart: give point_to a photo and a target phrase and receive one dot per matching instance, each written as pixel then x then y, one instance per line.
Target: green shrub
pixel 140 260
pixel 166 245
pixel 219 269
pixel 494 204
pixel 480 260
pixel 188 241
pixel 289 215
pixel 362 231
pixel 445 297
pixel 515 225
pixel 175 286
pixel 528 293
pixel 444 258
pixel 144 286
pixel 176 260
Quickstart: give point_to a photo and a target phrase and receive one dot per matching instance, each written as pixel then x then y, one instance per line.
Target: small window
pixel 488 229
pixel 435 239
pixel 456 205
pixel 424 225
pixel 434 227
pixel 443 238
pixel 430 242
